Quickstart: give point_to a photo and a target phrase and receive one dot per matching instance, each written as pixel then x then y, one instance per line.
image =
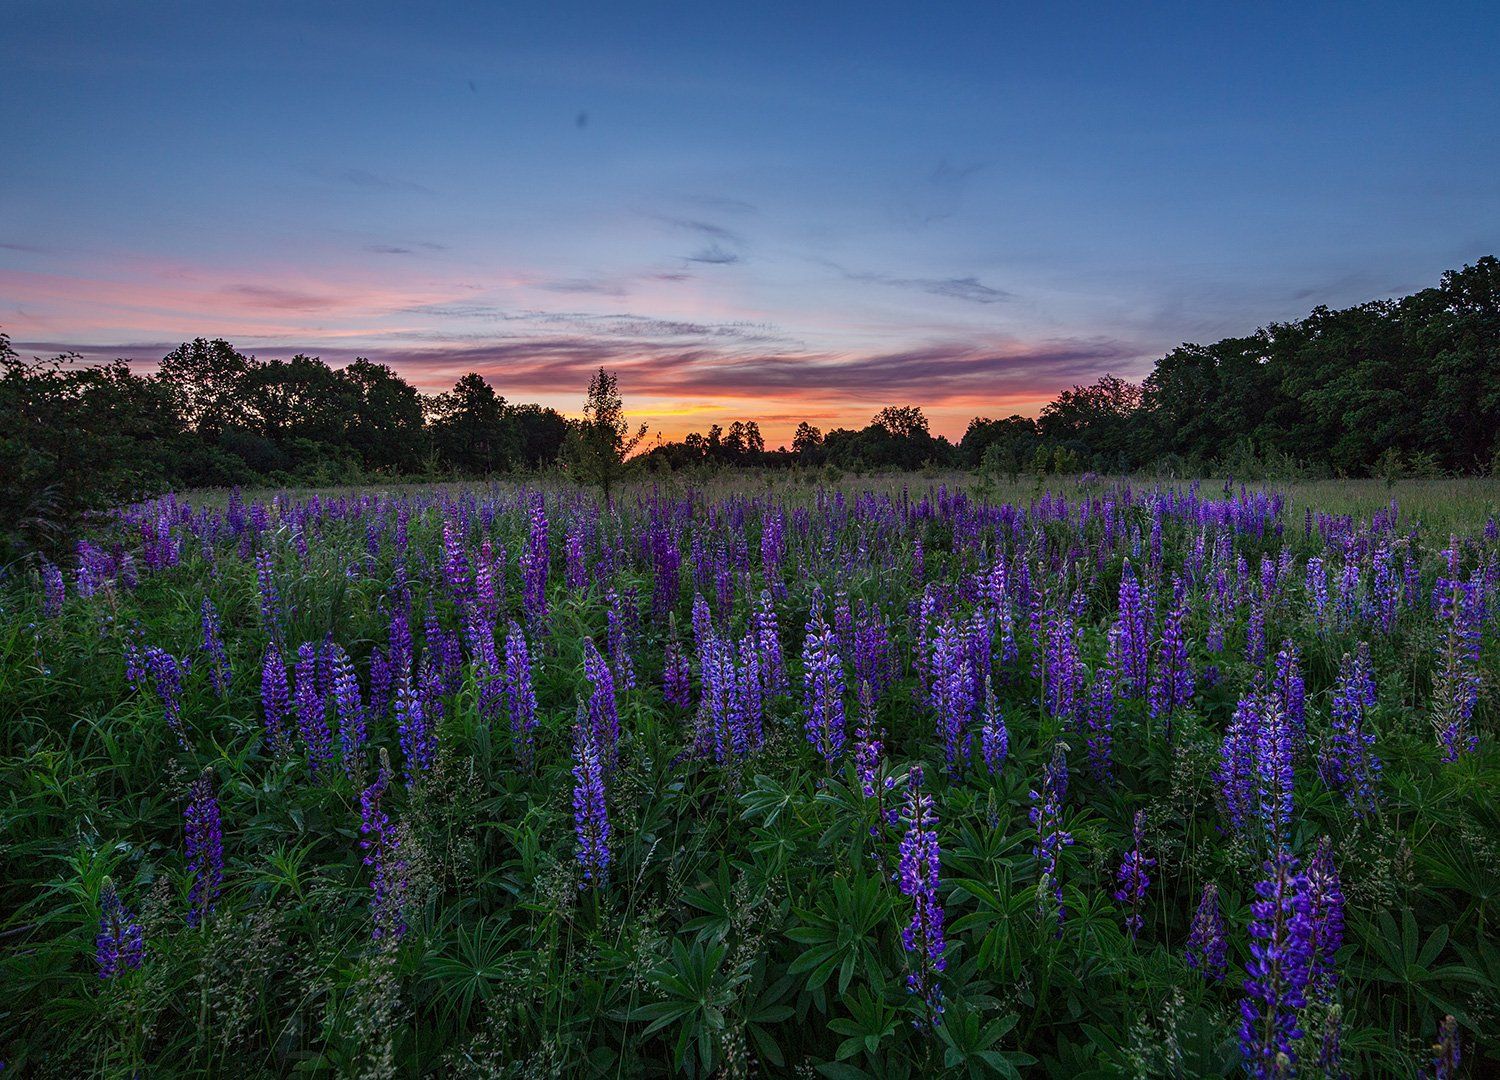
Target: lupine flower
pixel 520 695
pixel 1046 818
pixel 1330 1062
pixel 349 709
pixel 1445 1054
pixel 1208 943
pixel 205 847
pixel 54 590
pixel 618 638
pixel 1291 691
pixel 1255 632
pixel 768 640
pixel 270 598
pixel 676 676
pixel 1099 719
pixel 1133 878
pixel 382 853
pixel 823 680
pixel 1133 637
pixel 213 648
pixel 275 699
pixel 1317 588
pixel 603 711
pixel 535 559
pixel 1063 674
pixel 163 672
pixel 1236 771
pixel 917 877
pixel 1348 764
pixel 867 752
pixel 120 944
pixel 1277 972
pixel 590 815
pixel 1322 906
pixel 994 740
pixel 952 694
pixel 1456 687
pixel 1171 685
pixel 455 564
pixel 415 729
pixel 312 710
pixel 1273 768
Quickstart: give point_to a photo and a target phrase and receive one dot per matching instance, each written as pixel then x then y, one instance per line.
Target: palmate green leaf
pixel 841 932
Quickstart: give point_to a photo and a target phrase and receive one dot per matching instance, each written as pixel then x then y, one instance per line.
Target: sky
pixel 762 211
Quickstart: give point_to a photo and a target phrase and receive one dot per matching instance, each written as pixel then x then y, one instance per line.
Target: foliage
pixel 751 920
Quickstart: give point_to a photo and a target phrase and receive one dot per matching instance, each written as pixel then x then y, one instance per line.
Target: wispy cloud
pixel 714 255
pixel 958 288
pixel 280 299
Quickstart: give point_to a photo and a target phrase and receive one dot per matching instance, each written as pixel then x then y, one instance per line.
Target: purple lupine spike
pixel 1317 588
pixel 487 593
pixel 994 739
pixel 603 710
pixel 1046 818
pixel 456 574
pixel 576 575
pixel 823 681
pixel 204 843
pixel 213 648
pixel 1063 674
pixel 951 695
pixel 1236 771
pixel 1134 636
pixel 590 813
pixel 1133 877
pixel 415 730
pixel 1291 690
pixel 121 943
pixel 1347 763
pixel 676 676
pixel 1274 772
pixel 54 590
pixel 1171 685
pixel 1276 974
pixel 1456 686
pixel 1322 906
pixel 867 745
pixel 270 598
pixel 381 844
pixel 617 638
pixel 1208 941
pixel 312 710
pixel 535 557
pixel 382 685
pixel 401 651
pixel 163 673
pixel 749 695
pixel 349 709
pixel 768 641
pixel 917 877
pixel 520 695
pixel 1099 718
pixel 1255 632
pixel 1446 1052
pixel 275 700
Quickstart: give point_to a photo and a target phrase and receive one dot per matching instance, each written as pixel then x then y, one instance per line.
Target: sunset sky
pixel 779 212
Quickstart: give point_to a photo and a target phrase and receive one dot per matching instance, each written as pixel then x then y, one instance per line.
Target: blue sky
pixel 784 211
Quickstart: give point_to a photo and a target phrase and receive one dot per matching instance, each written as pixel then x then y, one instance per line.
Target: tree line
pixel 1387 387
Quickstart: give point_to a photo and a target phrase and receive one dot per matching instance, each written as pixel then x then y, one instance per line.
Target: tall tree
pixel 602 440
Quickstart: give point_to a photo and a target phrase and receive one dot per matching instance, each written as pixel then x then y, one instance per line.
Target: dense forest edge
pixel 1405 387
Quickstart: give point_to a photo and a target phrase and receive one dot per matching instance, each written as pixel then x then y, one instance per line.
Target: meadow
pixel 759 774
